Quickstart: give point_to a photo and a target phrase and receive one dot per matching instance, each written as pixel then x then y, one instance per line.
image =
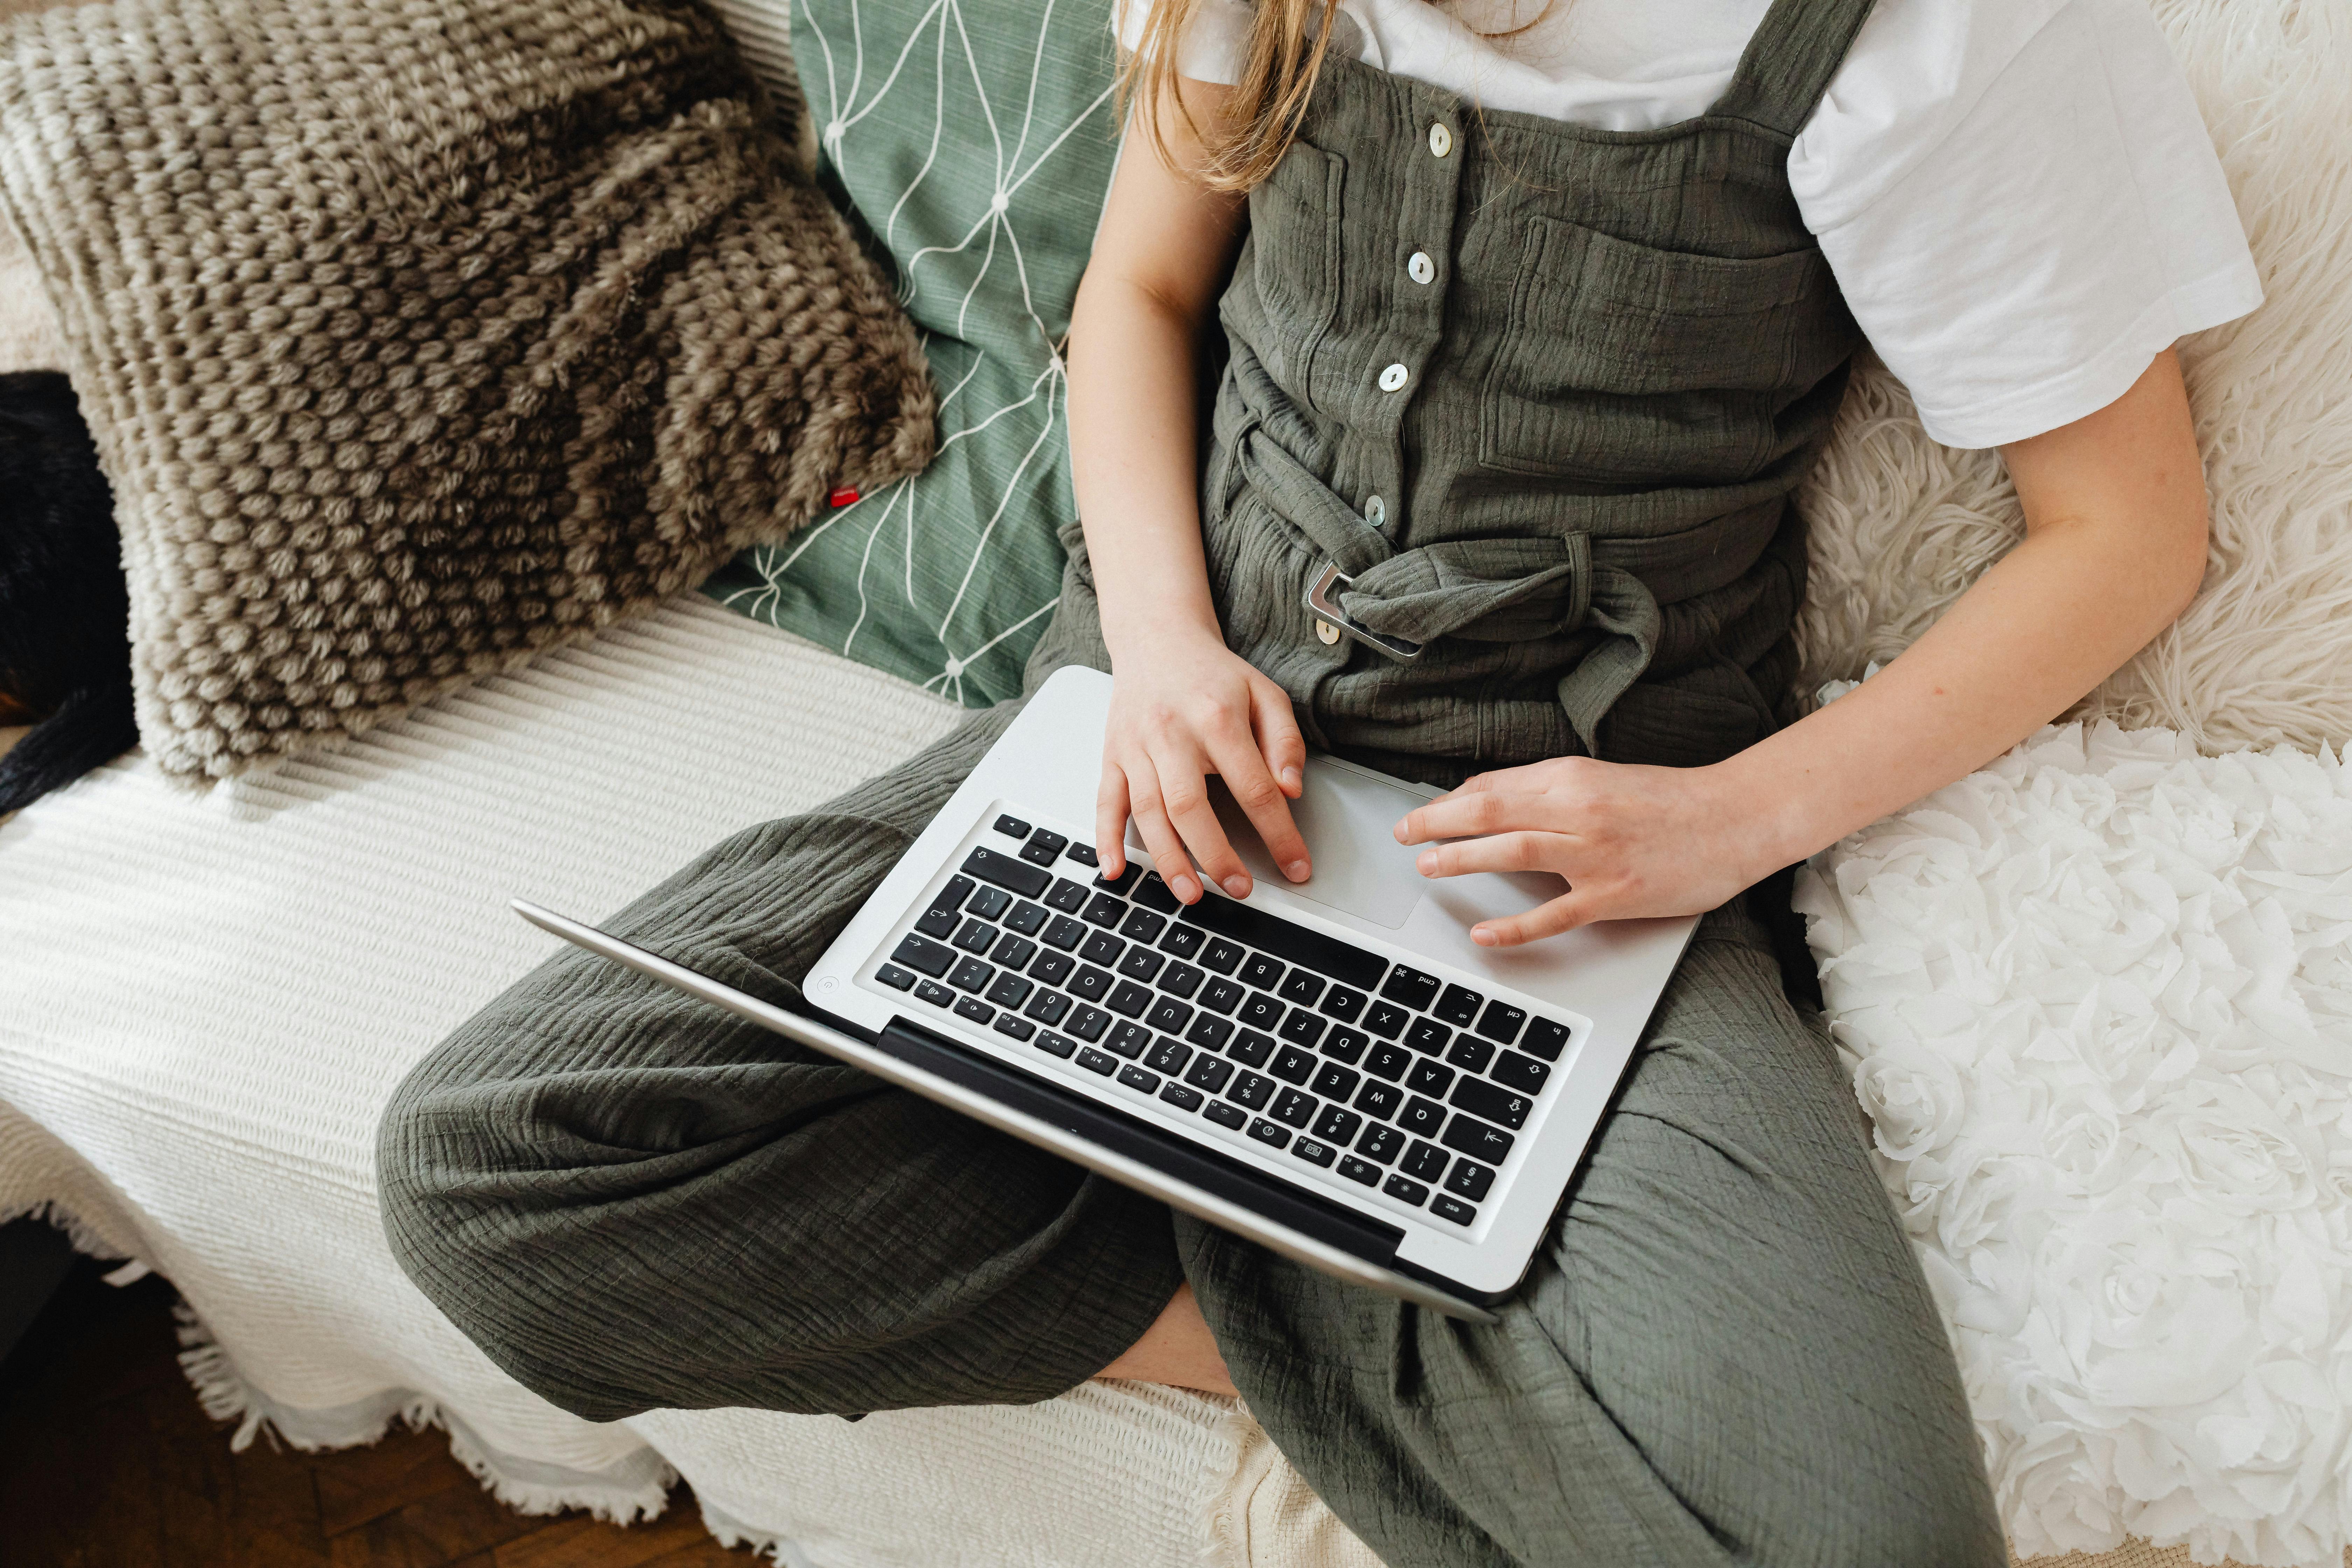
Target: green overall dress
pixel 1540 396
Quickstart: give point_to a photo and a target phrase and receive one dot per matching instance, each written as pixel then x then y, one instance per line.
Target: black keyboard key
pixel 1220 956
pixel 1044 848
pixel 1209 1032
pixel 978 1011
pixel 976 936
pixel 1128 1040
pixel 1012 826
pixel 1421 1116
pixel 1333 1081
pixel 1343 1003
pixel 1209 1073
pixel 972 975
pixel 1181 980
pixel 923 955
pixel 1251 1049
pixel 1047 1007
pixel 1182 1099
pixel 988 903
pixel 1295 1110
pixel 1470 1179
pixel 1523 1073
pixel 1142 963
pixel 1344 1045
pixel 1388 1062
pixel 1167 1056
pixel 1468 1136
pixel 1142 925
pixel 1052 968
pixel 1010 990
pixel 938 923
pixel 1262 971
pixel 1063 933
pixel 1404 1191
pixel 1326 956
pixel 1025 918
pixel 1014 951
pixel 1018 1027
pixel 1501 1022
pixel 1545 1040
pixel 1267 1133
pixel 1221 995
pixel 1302 989
pixel 1387 1020
pixel 1261 1011
pixel 1103 910
pixel 1224 1115
pixel 1091 985
pixel 1425 1162
pixel 895 978
pixel 1470 1053
pixel 1182 941
pixel 1084 853
pixel 1102 948
pixel 1292 1065
pixel 1492 1102
pixel 1380 1099
pixel 1005 871
pixel 1313 1153
pixel 1459 1006
pixel 1094 1060
pixel 1088 1023
pixel 1428 1037
pixel 1128 1000
pixel 1154 894
pixel 1137 1078
pixel 1380 1144
pixel 1337 1123
pixel 1357 1170
pixel 1169 1015
pixel 937 994
pixel 1066 896
pixel 1454 1209
pixel 1409 986
pixel 1303 1028
pixel 1123 881
pixel 952 896
pixel 1057 1044
pixel 1429 1078
pixel 1252 1091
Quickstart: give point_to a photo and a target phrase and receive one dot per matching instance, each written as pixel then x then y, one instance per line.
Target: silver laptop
pixel 1333 1068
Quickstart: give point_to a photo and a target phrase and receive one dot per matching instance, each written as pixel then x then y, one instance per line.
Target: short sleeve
pixel 2022 206
pixel 1215 43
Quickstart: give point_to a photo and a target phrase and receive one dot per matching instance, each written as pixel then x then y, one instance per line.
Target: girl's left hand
pixel 1630 841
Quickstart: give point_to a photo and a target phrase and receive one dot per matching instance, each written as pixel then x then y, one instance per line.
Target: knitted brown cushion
pixel 419 334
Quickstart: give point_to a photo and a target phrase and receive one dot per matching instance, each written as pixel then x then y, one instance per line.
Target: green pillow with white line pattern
pixel 973 140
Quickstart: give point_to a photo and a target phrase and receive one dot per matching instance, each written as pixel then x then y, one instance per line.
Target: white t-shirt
pixel 2017 196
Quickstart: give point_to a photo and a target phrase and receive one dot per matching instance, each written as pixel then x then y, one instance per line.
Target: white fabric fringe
pixel 2097 1002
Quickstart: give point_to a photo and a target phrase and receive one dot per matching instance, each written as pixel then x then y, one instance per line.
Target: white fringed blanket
pixel 2097 1001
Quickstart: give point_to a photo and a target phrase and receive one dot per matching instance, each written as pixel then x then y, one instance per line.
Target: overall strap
pixel 1788 63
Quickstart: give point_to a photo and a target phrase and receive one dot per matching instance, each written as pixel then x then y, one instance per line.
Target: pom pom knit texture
pixel 415 337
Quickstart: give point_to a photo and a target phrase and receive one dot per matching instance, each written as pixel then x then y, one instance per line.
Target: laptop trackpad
pixel 1348 819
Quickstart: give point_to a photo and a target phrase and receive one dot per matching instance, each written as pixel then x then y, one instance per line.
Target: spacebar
pixel 1272 933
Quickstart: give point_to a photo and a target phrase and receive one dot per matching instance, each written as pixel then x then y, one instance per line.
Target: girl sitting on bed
pixel 1532 323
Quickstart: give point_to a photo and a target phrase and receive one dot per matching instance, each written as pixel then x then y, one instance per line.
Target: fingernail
pixel 1184 887
pixel 1238 885
pixel 1426 862
pixel 1398 831
pixel 1483 936
pixel 1290 780
pixel 1298 870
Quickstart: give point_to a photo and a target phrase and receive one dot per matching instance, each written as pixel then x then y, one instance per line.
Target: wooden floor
pixel 107 1461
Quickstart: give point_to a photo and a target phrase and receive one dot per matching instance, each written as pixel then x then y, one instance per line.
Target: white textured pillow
pixel 1901 525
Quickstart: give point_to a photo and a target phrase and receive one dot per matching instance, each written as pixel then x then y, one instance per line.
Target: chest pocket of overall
pixel 1626 363
pixel 1294 250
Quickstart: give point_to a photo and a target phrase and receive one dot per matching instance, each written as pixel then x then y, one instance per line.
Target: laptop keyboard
pixel 1362 1069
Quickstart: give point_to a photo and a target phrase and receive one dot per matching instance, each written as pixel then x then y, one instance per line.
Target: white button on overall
pixel 1376 512
pixel 1420 268
pixel 1441 140
pixel 1392 378
pixel 1326 631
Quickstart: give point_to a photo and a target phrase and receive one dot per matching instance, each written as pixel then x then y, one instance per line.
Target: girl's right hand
pixel 1183 707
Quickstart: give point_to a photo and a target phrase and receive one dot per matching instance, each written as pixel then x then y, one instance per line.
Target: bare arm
pixel 2114 549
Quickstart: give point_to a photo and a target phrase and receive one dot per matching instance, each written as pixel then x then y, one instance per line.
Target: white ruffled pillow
pixel 2097 1001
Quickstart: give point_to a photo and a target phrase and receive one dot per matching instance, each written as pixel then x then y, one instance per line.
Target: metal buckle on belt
pixel 1327 614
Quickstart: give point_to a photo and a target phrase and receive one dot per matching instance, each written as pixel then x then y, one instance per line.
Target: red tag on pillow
pixel 842 497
